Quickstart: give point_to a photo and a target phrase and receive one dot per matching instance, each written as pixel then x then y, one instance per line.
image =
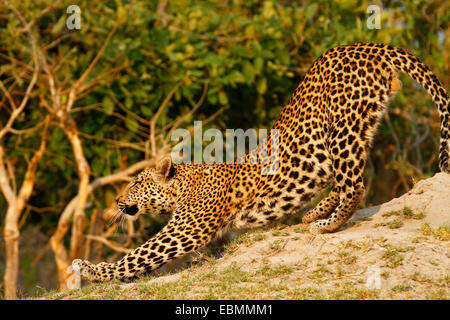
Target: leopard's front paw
pixel 84 269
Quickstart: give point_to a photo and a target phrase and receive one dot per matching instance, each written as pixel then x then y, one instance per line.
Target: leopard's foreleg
pixel 177 238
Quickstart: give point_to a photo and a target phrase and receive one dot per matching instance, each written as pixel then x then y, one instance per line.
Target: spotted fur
pixel 325 132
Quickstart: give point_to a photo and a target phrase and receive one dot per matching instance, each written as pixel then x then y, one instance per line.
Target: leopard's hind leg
pixel 324 208
pixel 348 153
pixel 349 146
pixel 356 117
pixel 349 191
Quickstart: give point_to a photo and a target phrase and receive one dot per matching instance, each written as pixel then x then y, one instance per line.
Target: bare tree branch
pixel 4 181
pixel 28 130
pixel 121 144
pixel 158 113
pixel 109 243
pixel 27 184
pixel 161 9
pixel 18 110
pixel 83 173
pixel 177 122
pixel 129 112
pixel 74 91
pixel 29 25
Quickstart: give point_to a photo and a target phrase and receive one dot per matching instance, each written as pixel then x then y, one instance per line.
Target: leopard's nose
pixel 131 210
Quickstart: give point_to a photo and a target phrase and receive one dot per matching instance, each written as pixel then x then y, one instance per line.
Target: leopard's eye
pixel 136 182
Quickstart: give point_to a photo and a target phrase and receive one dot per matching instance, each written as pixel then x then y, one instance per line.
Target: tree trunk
pixel 57 245
pixel 16 203
pixel 11 234
pixel 83 190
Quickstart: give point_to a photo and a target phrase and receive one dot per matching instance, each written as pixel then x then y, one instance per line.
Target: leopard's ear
pixel 165 168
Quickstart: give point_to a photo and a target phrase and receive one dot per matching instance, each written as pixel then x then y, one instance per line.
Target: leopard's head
pixel 152 191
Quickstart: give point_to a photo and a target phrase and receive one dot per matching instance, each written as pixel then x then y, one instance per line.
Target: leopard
pixel 323 135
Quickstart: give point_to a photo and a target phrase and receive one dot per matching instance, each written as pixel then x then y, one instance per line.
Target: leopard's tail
pixel 417 70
